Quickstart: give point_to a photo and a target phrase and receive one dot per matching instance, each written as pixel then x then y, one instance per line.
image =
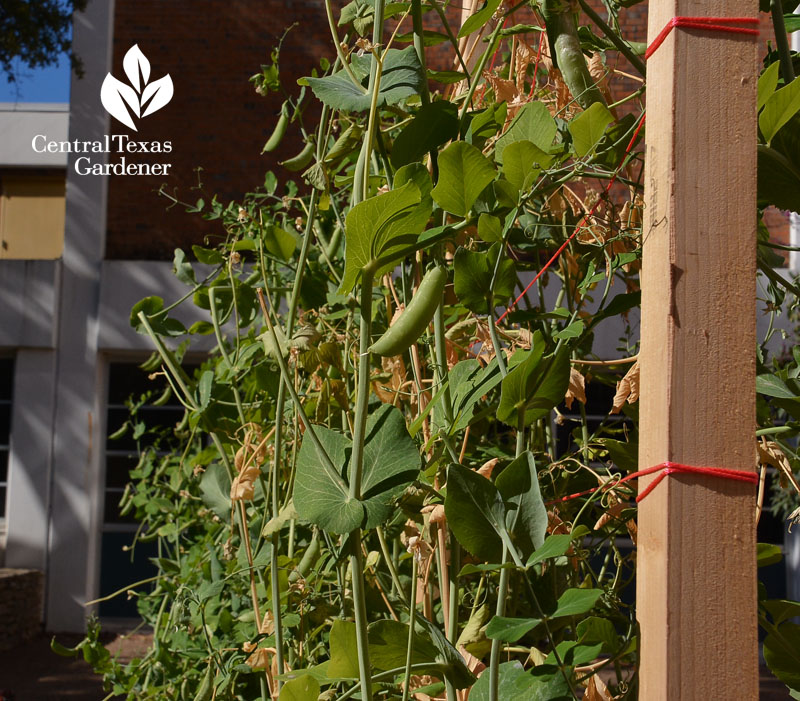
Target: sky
pixel 49 84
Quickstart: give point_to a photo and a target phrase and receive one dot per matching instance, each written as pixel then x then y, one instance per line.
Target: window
pixel 120 567
pixel 32 216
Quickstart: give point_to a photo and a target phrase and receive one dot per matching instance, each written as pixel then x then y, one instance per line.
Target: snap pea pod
pixel 301 160
pixel 416 317
pixel 280 130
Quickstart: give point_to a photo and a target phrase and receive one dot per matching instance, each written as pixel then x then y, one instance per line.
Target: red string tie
pixel 726 25
pixel 669 468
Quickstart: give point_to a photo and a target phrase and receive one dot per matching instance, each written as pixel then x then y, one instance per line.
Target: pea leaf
pixel 773 386
pixel 379 225
pixel 469 382
pixel 435 124
pixel 476 21
pixel 343 650
pixel 486 123
pixel 533 123
pixel 778 180
pixel 391 463
pixel 588 127
pixel 387 646
pixel 476 514
pixel 304 688
pixel 182 269
pixel 473 276
pixel 153 309
pixel 509 630
pixel 279 242
pixel 490 228
pixel 598 630
pixel 767 83
pixel 522 162
pixel 215 487
pixel 779 108
pixel 463 173
pixel 782 654
pixel 526 514
pixel 574 602
pixel 515 684
pixel 402 77
pixel 536 385
pixel 553 546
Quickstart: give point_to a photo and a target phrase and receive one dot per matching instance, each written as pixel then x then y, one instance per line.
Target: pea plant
pixel 387 483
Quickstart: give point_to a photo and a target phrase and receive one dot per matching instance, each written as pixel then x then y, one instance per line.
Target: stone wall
pixel 21 593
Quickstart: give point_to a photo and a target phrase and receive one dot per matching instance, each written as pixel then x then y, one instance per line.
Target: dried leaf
pixel 627 389
pixel 576 389
pixel 770 453
pixel 504 90
pixel 596 690
pixel 259 659
pixel 488 467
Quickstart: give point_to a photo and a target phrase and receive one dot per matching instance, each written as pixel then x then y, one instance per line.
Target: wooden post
pixel 696 577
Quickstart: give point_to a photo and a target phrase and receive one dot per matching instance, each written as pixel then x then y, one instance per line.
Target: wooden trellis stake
pixel 696 574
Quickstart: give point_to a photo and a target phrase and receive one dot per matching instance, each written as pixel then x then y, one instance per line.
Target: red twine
pixel 727 25
pixel 669 468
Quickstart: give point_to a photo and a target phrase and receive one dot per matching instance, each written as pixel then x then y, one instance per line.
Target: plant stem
pixel 412 606
pixel 614 38
pixel 781 41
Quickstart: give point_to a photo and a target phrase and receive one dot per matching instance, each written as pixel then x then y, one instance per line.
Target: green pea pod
pixel 204 691
pixel 280 129
pixel 301 160
pixel 308 560
pixel 416 317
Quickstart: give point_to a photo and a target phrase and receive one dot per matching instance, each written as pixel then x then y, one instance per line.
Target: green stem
pixel 412 606
pixel 338 45
pixel 387 556
pixel 614 38
pixel 360 613
pixel 782 41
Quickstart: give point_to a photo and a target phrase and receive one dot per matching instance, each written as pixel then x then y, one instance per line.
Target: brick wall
pixel 217 122
pixel 21 597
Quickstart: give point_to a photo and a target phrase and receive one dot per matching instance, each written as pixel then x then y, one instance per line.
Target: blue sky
pixel 49 84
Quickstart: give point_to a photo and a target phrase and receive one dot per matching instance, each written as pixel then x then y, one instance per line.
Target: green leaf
pixel 509 630
pixel 768 554
pixel 453 665
pixel 447 77
pixel 153 308
pixel 469 382
pixel 536 385
pixel 486 123
pixel 343 650
pixel 387 646
pixel 475 512
pixel 490 228
pixel 210 590
pixel 208 256
pixel 435 124
pixel 553 546
pixel 472 278
pixel 572 653
pixel 391 463
pixel 463 173
pixel 215 487
pixel 429 37
pixel 575 602
pixel 204 387
pixel 767 83
pixel 778 180
pixel 782 654
pixel 279 242
pixel 792 23
pixel 588 127
pixel 779 108
pixel 402 77
pixel 574 330
pixel 304 688
pixel 526 514
pixel 473 636
pixel 182 269
pixel 476 21
pixel 515 684
pixel 522 163
pixel 773 386
pixel 379 226
pixel 598 630
pixel 533 123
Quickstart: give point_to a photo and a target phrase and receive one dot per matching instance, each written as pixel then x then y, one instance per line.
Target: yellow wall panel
pixel 32 217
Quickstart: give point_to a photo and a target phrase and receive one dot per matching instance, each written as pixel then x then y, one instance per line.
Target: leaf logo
pixel 140 97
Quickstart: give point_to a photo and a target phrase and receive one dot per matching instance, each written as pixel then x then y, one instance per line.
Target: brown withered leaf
pixel 488 467
pixel 243 485
pixel 596 690
pixel 504 90
pixel 770 453
pixel 525 54
pixel 627 389
pixel 576 388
